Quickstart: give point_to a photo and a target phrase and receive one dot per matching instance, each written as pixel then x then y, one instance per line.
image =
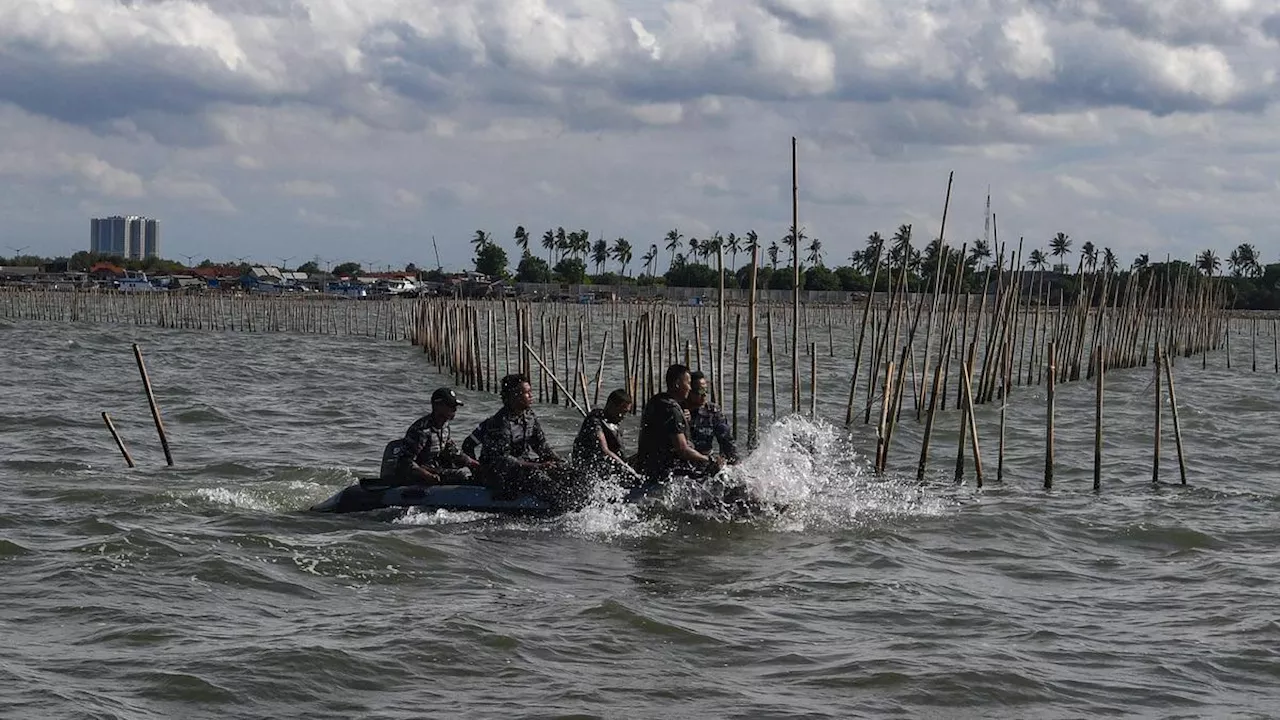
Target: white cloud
pixel 101 177
pixel 307 188
pixel 606 113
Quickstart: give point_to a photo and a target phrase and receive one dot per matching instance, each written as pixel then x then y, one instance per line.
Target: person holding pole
pixel 598 447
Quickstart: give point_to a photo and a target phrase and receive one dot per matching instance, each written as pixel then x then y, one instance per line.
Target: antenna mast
pixel 439 267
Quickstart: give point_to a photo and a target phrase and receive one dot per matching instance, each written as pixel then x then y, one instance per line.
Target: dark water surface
pixel 206 591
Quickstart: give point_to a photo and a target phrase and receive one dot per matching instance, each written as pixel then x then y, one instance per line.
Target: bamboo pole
pixel 1099 381
pixel 1177 428
pixel 1155 454
pixel 1048 425
pixel 795 288
pixel 106 418
pixel 151 401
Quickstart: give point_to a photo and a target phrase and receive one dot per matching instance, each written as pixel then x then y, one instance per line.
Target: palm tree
pixel 815 253
pixel 980 252
pixel 901 255
pixel 735 244
pixel 752 243
pixel 695 248
pixel 1090 255
pixel 870 257
pixel 622 253
pixel 1208 262
pixel 1060 245
pixel 481 240
pixel 562 242
pixel 793 241
pixel 1037 260
pixel 673 243
pixel 1109 262
pixel 773 255
pixel 582 243
pixel 653 259
pixel 1247 257
pixel 549 244
pixel 522 240
pixel 1140 263
pixel 600 254
pixel 648 257
pixel 712 246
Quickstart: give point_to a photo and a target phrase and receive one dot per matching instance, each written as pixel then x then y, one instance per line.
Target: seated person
pixel 427 455
pixel 515 457
pixel 598 447
pixel 707 425
pixel 664 445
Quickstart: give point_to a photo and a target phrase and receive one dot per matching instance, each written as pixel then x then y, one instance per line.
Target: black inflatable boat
pixel 706 498
pixel 374 494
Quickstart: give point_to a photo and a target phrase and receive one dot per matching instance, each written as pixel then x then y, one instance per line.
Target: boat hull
pixel 370 495
pixel 709 499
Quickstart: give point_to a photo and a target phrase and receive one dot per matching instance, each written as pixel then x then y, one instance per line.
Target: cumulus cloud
pixel 540 108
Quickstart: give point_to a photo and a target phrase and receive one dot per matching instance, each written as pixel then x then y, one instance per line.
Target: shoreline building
pixel 132 237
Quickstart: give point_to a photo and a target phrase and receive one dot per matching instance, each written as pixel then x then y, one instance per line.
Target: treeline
pixel 692 262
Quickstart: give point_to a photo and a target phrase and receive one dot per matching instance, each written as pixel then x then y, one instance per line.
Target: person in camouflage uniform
pixel 707 424
pixel 598 447
pixel 515 457
pixel 427 455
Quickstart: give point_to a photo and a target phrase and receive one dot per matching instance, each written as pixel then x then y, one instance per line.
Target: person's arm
pixel 546 454
pixel 724 436
pixel 415 441
pixel 678 430
pixel 470 444
pixel 604 447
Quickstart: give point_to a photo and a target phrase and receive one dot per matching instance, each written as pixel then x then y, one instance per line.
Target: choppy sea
pixel 206 589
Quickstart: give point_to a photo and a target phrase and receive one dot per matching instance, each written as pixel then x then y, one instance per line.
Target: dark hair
pixel 674 373
pixel 695 376
pixel 511 384
pixel 619 397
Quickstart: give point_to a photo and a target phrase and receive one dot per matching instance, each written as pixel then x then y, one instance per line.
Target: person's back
pixel 586 446
pixel 597 449
pixel 661 420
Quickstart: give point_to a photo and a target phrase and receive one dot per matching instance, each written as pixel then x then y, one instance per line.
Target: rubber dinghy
pixel 706 498
pixel 374 494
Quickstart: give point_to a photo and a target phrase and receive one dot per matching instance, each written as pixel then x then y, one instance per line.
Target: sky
pixel 291 130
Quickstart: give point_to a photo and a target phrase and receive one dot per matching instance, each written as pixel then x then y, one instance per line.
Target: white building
pixel 133 237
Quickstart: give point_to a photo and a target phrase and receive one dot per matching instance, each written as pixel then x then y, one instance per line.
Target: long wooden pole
pixel 119 443
pixel 795 288
pixel 151 401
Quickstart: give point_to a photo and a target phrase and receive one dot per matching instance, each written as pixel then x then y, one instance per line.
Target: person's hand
pixel 687 416
pixel 471 462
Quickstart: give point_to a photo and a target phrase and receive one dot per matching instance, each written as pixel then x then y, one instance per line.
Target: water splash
pixel 808 468
pixel 812 468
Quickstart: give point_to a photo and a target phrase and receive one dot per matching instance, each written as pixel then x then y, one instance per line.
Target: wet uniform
pixel 662 420
pixel 508 437
pixel 428 447
pixel 707 425
pixel 587 454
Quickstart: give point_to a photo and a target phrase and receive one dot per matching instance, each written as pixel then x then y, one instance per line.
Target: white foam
pixel 238 499
pixel 810 467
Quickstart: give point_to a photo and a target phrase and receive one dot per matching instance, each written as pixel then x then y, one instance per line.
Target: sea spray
pixel 810 467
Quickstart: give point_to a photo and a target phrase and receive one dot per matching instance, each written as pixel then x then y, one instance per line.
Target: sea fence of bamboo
pixel 890 359
pixel 239 312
